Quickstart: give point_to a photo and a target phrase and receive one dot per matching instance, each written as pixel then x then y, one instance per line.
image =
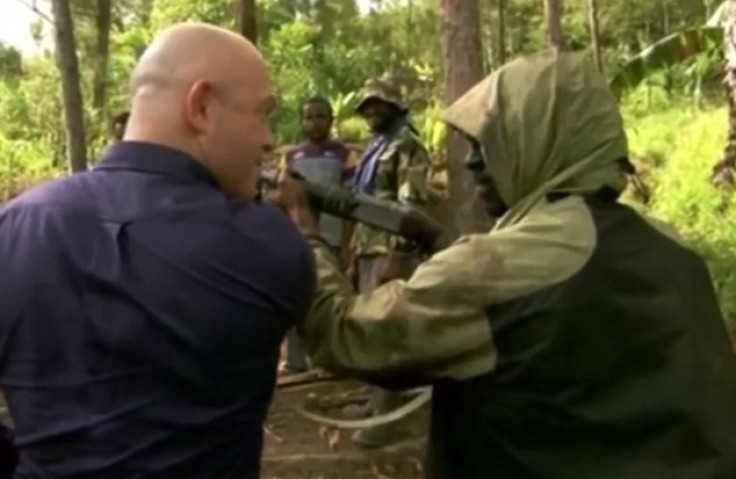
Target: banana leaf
pixel 664 53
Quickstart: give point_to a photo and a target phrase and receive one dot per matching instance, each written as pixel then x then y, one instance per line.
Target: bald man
pixel 143 302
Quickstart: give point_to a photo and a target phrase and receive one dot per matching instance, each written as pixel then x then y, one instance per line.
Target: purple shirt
pixel 328 164
pixel 142 314
pixel 335 150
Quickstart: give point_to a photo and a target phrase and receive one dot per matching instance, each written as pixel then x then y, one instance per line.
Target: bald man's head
pixel 205 90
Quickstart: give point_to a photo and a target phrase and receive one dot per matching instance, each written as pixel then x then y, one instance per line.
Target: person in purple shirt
pixel 320 159
pixel 144 302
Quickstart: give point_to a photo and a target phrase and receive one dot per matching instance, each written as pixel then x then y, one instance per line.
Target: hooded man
pixel 394 166
pixel 576 338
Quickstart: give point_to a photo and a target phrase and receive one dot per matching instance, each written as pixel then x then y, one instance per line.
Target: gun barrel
pixel 395 218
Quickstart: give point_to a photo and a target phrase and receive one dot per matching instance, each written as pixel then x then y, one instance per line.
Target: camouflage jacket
pixel 402 175
pixel 575 339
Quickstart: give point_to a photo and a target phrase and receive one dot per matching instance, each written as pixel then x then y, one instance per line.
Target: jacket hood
pixel 547 123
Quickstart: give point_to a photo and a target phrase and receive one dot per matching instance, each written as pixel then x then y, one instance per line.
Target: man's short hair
pixel 318 100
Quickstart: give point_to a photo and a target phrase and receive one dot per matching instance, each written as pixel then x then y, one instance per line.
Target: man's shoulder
pixel 58 194
pixel 298 151
pixel 262 213
pixel 268 241
pixel 408 138
pixel 340 150
pixel 269 224
pixel 667 230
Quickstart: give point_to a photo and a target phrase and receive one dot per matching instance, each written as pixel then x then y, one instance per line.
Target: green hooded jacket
pixel 576 339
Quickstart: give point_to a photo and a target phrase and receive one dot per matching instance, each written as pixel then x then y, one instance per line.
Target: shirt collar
pixel 153 158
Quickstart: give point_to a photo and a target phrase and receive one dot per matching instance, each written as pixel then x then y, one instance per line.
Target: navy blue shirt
pixel 141 314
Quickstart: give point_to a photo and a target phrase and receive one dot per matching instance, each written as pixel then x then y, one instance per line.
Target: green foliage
pixel 11 64
pixel 666 53
pixel 327 47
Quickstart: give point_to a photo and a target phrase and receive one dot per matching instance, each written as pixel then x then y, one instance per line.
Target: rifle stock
pixel 395 218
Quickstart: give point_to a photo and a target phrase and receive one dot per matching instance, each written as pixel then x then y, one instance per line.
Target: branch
pixel 32 7
pixel 309 377
pixel 399 450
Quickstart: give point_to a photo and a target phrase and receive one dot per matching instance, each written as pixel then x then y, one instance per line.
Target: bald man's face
pixel 231 119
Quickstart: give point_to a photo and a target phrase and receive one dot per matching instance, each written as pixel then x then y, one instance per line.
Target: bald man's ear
pixel 198 106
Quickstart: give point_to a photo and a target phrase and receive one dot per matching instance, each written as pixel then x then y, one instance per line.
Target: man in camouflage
pixel 576 338
pixel 395 167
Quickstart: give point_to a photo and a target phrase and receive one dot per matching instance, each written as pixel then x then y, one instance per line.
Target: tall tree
pixel 102 47
pixel 553 19
pixel 246 19
pixel 595 35
pixel 501 6
pixel 68 64
pixel 462 55
pixel 723 171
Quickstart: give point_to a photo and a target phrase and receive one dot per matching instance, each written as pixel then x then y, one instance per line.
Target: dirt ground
pixel 297 448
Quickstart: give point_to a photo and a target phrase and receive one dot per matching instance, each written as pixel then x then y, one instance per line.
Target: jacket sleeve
pixel 412 176
pixel 413 164
pixel 432 326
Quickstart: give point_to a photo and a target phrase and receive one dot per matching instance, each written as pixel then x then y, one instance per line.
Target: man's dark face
pixel 379 114
pixel 486 189
pixel 316 121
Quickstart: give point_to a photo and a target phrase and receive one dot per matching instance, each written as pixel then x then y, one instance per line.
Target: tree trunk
pixel 68 64
pixel 501 32
pixel 103 24
pixel 595 35
pixel 144 12
pixel 553 20
pixel 723 171
pixel 462 57
pixel 246 19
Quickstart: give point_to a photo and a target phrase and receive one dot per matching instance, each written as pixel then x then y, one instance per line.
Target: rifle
pixel 399 219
